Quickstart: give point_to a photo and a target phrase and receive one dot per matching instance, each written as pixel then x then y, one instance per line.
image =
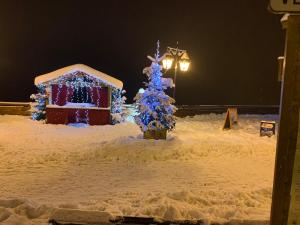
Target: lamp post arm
pixel 175 75
pixel 163 56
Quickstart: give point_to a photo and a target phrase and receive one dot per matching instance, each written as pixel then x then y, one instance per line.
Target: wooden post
pixel 289 123
pixel 280 60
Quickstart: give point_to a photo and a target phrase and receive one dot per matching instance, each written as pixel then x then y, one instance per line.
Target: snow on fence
pixel 15 108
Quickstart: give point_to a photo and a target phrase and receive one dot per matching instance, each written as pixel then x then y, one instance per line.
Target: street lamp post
pixel 179 56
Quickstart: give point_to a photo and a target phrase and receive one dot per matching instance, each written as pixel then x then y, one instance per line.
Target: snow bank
pixel 22 211
pixel 199 172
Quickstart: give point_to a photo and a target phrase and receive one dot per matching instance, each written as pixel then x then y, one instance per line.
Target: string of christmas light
pixel 77 115
pixel 86 113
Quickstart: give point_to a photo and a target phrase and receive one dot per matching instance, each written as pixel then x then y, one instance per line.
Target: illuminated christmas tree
pixel 155 109
pixel 38 108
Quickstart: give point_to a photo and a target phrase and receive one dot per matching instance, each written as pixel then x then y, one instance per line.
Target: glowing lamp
pixel 184 65
pixel 167 62
pixel 184 62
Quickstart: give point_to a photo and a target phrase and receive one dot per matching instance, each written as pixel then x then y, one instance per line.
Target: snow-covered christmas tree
pixel 119 112
pixel 38 108
pixel 155 109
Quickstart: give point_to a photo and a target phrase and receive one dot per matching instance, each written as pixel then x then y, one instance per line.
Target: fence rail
pixel 15 108
pixel 191 110
pixel 22 108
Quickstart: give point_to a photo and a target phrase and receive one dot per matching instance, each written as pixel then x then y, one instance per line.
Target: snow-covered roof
pixel 82 68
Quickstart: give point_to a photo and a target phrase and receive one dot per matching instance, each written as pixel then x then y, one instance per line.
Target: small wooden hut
pixel 79 94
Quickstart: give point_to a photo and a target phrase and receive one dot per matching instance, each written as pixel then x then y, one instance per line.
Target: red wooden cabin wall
pixel 68 115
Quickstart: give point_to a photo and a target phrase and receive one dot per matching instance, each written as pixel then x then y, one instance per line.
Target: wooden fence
pixel 15 108
pixel 191 110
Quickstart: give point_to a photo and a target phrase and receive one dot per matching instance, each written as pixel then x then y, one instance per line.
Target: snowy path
pixel 199 172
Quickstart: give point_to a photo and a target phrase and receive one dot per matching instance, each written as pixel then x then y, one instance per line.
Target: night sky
pixel 233 45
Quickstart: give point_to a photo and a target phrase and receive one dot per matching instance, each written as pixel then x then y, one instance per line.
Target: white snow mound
pixel 199 172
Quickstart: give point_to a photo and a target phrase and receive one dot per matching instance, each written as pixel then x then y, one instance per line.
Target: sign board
pixel 294 211
pixel 227 123
pixel 231 118
pixel 233 115
pixel 267 128
pixel 285 5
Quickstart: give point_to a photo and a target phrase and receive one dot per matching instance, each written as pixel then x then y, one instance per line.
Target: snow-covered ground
pixel 199 172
